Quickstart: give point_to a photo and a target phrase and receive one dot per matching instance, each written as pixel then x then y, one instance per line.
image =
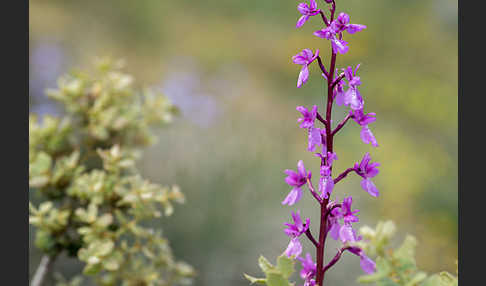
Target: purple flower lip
pixel 339 25
pixel 307 10
pixel 308 267
pixel 361 118
pixel 308 117
pixel 347 214
pixel 368 171
pixel 368 265
pixel 297 228
pixel 296 180
pixel 294 231
pixel 304 58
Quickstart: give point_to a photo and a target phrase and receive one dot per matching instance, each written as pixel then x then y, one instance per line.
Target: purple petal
pixel 325 34
pixel 294 196
pixel 340 46
pixel 326 185
pixel 353 28
pixel 353 98
pixel 314 139
pixel 301 168
pixel 367 136
pixel 340 97
pixel 302 21
pixel 343 18
pixel 297 220
pixel 370 187
pixel 313 4
pixel 303 8
pixel 367 264
pixel 307 53
pixel 300 60
pixel 303 76
pixel 346 233
pixel 334 231
pixel 294 248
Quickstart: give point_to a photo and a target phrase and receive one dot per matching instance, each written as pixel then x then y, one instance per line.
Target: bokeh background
pixel 227 65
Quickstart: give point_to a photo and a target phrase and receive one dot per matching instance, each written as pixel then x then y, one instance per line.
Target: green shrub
pixel 94 204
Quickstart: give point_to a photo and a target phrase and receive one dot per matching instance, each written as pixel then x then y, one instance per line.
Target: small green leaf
pixel 275 278
pixel 254 279
pixel 285 265
pixel 264 264
pixel 419 277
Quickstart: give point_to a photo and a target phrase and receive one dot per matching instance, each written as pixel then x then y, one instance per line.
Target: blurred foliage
pixel 227 64
pixel 275 275
pixel 93 203
pixel 396 267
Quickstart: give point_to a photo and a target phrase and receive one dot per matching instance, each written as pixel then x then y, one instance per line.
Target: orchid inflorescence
pixel 336 218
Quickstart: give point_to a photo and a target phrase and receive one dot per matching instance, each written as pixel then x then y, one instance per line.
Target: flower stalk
pixel 331 212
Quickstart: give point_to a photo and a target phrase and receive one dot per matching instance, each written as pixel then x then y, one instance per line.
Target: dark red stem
pixel 319 117
pixel 338 79
pixel 324 18
pixel 323 68
pixel 311 238
pixel 344 174
pixel 340 125
pixel 312 190
pixel 335 259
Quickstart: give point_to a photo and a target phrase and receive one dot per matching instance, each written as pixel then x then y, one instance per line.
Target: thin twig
pixel 338 79
pixel 43 269
pixel 335 259
pixel 340 125
pixel 311 188
pixel 311 238
pixel 323 68
pixel 319 117
pixel 344 174
pixel 324 18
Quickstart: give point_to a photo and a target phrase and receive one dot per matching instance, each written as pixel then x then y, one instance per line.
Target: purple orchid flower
pixel 294 231
pixel 347 214
pixel 326 183
pixel 342 23
pixel 308 117
pixel 368 171
pixel 339 90
pixel 330 156
pixel 315 138
pixel 296 180
pixel 306 11
pixel 348 234
pixel 338 45
pixel 297 228
pixel 368 265
pixel 352 97
pixel 308 266
pixel 304 58
pixel 294 248
pixel 367 136
pixel 363 120
pixel 308 269
pixel 333 225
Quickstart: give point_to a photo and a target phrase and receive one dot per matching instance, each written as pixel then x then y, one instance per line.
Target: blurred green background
pixel 227 65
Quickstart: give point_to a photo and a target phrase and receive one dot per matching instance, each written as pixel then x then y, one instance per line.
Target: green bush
pixel 94 205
